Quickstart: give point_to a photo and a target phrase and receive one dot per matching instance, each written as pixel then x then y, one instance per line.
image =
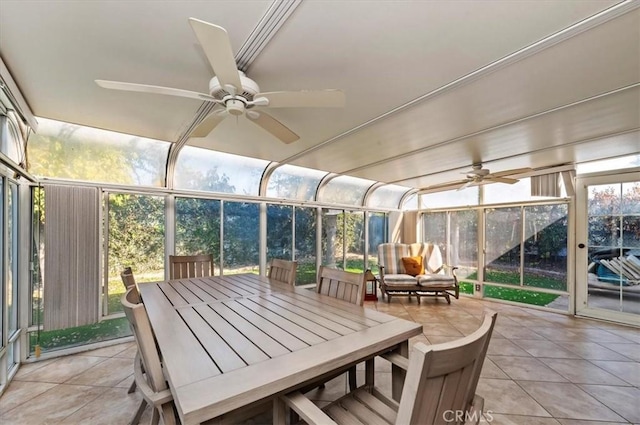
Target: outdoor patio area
pixel 542 368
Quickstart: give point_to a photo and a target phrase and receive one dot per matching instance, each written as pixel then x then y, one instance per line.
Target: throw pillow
pixel 413 265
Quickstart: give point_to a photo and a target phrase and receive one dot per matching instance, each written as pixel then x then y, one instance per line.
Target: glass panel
pixel 211 171
pixel 198 228
pixel 353 233
pixel 526 297
pixel 241 237
pixel 545 246
pixel 502 248
pixel 630 161
pixel 450 198
pixel 463 243
pixel 83 153
pixel 37 229
pixel 136 240
pixel 292 182
pixel 305 241
pixel 10 139
pixel 345 190
pixel 612 246
pixel 411 203
pixel 434 230
pixel 12 260
pixel 387 196
pixel 279 231
pixel 332 223
pixel 378 233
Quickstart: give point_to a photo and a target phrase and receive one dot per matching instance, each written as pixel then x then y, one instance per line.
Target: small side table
pixel 371 287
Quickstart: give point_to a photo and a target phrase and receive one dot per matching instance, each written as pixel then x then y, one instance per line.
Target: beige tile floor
pixel 541 369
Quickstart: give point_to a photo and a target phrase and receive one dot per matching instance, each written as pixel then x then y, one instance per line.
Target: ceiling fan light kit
pixel 236 93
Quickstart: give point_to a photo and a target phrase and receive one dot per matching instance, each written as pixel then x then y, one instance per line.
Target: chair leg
pixel 168 414
pixel 155 416
pixel 132 387
pixel 136 418
pixel 353 379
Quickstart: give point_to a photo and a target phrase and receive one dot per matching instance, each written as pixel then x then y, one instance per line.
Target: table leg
pixel 279 412
pixel 397 373
pixel 369 372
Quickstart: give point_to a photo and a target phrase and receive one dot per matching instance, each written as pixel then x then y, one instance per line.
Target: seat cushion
pixel 399 279
pixel 429 279
pixel 413 265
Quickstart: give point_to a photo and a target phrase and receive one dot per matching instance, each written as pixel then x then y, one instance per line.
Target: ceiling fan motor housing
pixel 249 88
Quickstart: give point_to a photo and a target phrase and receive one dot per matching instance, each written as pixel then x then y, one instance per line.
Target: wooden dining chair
pixel 439 388
pixel 186 266
pixel 130 282
pixel 147 365
pixel 340 284
pixel 283 271
pixel 346 286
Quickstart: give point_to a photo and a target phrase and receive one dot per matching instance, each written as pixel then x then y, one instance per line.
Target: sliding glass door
pixel 608 247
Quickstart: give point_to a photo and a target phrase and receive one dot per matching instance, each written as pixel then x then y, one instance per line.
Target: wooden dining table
pixel 235 341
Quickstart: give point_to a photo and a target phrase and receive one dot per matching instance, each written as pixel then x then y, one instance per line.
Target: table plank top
pixel 229 341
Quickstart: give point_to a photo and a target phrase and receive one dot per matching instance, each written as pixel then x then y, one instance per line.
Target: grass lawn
pixel 520 295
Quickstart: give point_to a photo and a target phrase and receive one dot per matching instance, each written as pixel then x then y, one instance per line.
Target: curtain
pixel 71 257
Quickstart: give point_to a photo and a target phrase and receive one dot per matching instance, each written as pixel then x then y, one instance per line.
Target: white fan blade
pixel 145 88
pixel 449 185
pixel 274 127
pixel 511 172
pixel 466 185
pixel 209 123
pixel 495 179
pixel 304 99
pixel 217 47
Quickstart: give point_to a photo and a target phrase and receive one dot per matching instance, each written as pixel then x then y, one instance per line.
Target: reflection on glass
pixel 241 240
pixel 450 198
pixel 343 239
pixel 292 182
pixel 305 242
pixel 279 231
pixel 378 231
pixel 463 243
pixel 198 228
pixel 614 246
pixel 345 190
pixel 71 151
pixel 545 246
pixel 211 171
pixel 434 230
pixel 136 240
pixel 387 196
pixel 502 248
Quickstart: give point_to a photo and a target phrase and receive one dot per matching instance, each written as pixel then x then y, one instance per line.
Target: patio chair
pixel 147 366
pixel 130 283
pixel 346 286
pixel 283 271
pixel 440 387
pixel 186 266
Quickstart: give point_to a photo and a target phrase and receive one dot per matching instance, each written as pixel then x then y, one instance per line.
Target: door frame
pixel 581 286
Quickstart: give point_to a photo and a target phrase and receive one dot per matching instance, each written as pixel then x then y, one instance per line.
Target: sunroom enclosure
pixel 515 248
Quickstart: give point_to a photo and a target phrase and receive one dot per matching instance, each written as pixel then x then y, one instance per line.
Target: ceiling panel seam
pixel 540 45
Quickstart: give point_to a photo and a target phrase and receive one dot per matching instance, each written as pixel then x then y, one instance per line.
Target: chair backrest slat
pixel 145 340
pixel 283 271
pixel 444 377
pixel 130 283
pixel 340 284
pixel 186 266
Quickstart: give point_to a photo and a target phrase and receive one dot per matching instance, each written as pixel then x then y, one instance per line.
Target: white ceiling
pixel 432 86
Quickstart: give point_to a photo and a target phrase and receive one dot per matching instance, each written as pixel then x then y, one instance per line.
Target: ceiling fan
pixel 479 175
pixel 234 92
